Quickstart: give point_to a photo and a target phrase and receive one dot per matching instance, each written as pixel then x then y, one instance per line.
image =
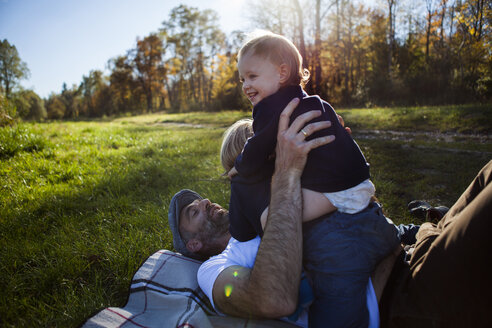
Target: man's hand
pixel 292 147
pixel 342 122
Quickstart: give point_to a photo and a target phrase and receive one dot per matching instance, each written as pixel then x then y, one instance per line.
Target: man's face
pixel 259 76
pixel 208 221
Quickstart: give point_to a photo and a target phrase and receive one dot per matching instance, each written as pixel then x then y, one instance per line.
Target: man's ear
pixel 194 245
pixel 284 73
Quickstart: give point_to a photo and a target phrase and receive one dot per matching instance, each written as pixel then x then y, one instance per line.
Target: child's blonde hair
pixel 233 142
pixel 279 50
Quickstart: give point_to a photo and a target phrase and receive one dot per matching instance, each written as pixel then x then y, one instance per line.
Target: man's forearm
pixel 277 269
pixel 270 288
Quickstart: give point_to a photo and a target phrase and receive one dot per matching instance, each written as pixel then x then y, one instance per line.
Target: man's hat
pixel 178 202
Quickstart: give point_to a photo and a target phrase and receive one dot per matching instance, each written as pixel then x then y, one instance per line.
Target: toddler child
pixel 341 253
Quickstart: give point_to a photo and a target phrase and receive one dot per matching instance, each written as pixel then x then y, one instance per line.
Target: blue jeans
pixel 340 253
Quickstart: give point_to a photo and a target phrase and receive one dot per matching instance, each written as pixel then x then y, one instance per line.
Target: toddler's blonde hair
pixel 279 50
pixel 233 142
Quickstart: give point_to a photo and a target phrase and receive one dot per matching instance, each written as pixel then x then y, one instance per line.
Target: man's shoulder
pixel 242 252
pixel 236 253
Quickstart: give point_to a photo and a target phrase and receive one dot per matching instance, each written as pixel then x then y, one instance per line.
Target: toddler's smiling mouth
pixel 252 96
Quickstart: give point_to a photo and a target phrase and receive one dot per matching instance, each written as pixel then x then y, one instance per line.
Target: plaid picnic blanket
pixel 164 292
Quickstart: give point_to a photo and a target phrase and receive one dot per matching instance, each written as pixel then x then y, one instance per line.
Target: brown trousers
pixel 448 282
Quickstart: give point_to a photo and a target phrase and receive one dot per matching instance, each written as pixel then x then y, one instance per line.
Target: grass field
pixel 83 204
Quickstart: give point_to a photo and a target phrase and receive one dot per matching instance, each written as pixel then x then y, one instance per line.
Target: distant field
pixel 83 204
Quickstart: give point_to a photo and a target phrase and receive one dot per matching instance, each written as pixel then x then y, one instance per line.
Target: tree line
pixel 400 52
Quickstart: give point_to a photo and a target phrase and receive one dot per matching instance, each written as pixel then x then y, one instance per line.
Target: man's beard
pixel 215 228
pixel 213 232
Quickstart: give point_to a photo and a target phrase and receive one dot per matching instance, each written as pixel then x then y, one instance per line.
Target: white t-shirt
pixel 244 254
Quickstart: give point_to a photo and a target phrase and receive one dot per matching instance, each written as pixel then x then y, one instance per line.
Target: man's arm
pixel 270 288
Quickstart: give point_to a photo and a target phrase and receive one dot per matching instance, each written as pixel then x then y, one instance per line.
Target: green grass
pixel 83 204
pixel 18 139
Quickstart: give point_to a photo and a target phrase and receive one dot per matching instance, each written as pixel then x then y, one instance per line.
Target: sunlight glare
pixel 228 290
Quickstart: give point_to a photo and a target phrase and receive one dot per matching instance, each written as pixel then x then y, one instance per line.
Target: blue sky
pixel 63 40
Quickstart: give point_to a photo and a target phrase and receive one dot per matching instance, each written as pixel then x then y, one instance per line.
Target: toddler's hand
pixel 232 172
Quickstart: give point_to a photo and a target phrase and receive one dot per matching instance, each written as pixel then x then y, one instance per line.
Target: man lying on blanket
pixel 261 280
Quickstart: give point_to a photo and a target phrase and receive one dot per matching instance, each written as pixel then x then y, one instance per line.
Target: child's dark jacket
pixel 336 166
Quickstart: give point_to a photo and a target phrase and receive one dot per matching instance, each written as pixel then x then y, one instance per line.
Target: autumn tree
pixel 126 91
pixel 430 12
pixel 94 95
pixel 12 68
pixel 391 30
pixel 55 107
pixel 149 69
pixel 472 42
pixel 194 41
pixel 300 31
pixel 71 98
pixel 227 91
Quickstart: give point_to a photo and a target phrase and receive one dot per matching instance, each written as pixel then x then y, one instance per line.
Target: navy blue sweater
pixel 336 166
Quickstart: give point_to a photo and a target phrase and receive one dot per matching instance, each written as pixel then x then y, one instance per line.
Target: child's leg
pixel 332 262
pixel 340 253
pixel 315 205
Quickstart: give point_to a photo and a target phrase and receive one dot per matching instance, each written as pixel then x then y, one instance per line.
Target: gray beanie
pixel 181 199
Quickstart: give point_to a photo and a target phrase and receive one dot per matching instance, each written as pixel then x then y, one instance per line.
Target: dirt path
pixel 447 137
pixel 410 136
pixel 382 134
pixel 180 124
pixel 407 136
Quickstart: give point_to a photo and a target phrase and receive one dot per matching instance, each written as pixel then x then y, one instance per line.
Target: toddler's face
pixel 259 76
